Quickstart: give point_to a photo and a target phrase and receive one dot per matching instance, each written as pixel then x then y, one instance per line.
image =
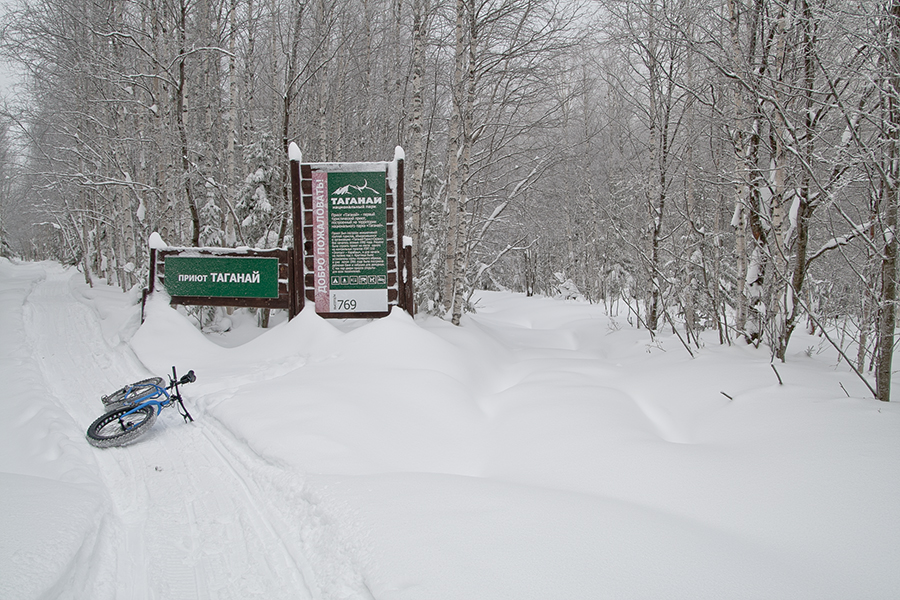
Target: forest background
pixel 729 165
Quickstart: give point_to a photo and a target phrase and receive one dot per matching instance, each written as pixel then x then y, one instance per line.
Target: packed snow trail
pixel 46 546
pixel 184 522
pixel 540 451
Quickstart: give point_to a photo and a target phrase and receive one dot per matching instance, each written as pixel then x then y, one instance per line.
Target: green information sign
pixel 222 277
pixel 350 241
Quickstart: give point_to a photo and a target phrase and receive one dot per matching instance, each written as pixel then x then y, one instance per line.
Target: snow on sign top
pixel 294 153
pixel 351 167
pixel 346 215
pixel 156 242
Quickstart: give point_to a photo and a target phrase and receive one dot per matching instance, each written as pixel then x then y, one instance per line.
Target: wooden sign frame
pixel 285 257
pixel 398 254
pixel 296 268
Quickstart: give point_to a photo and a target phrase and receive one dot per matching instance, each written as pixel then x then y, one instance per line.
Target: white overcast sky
pixel 7 79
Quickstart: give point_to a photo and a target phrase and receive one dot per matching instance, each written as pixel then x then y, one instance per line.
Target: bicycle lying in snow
pixel 132 410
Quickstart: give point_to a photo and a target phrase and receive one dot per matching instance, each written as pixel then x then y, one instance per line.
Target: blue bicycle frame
pixel 132 410
pixel 150 398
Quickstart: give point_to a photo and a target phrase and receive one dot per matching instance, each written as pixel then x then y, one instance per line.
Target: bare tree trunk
pixel 182 130
pixel 890 191
pixel 656 192
pixel 741 175
pixel 421 17
pixel 323 78
pixel 456 149
pixel 468 123
pixel 800 267
pixel 289 94
pixel 231 159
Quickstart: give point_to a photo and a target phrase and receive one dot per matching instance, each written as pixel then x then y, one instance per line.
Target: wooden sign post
pixel 242 277
pixel 351 254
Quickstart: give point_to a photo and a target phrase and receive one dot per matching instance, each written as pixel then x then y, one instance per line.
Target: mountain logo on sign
pixel 341 191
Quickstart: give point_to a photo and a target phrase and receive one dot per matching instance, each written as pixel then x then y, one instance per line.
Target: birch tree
pixel 421 20
pixel 887 203
pixel 6 179
pixel 644 36
pixel 498 53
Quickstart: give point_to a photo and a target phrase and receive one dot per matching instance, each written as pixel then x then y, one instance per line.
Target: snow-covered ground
pixel 543 450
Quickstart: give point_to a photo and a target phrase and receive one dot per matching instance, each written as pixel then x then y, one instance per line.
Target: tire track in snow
pixel 183 524
pixel 307 530
pixel 238 465
pixel 78 364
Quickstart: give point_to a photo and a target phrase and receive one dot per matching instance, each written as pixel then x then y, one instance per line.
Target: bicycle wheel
pixel 109 430
pixel 138 389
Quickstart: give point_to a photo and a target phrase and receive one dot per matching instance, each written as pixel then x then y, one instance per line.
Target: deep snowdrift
pixel 542 450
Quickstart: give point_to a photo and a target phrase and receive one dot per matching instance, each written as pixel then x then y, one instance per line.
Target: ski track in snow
pixel 557 463
pixel 548 355
pixel 184 519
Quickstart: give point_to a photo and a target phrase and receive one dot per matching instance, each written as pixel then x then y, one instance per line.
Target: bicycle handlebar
pixel 188 377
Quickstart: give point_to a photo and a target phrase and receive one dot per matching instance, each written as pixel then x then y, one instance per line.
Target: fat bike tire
pixel 109 431
pixel 138 389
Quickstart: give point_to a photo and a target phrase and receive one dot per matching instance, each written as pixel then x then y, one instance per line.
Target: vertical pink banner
pixel 320 240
